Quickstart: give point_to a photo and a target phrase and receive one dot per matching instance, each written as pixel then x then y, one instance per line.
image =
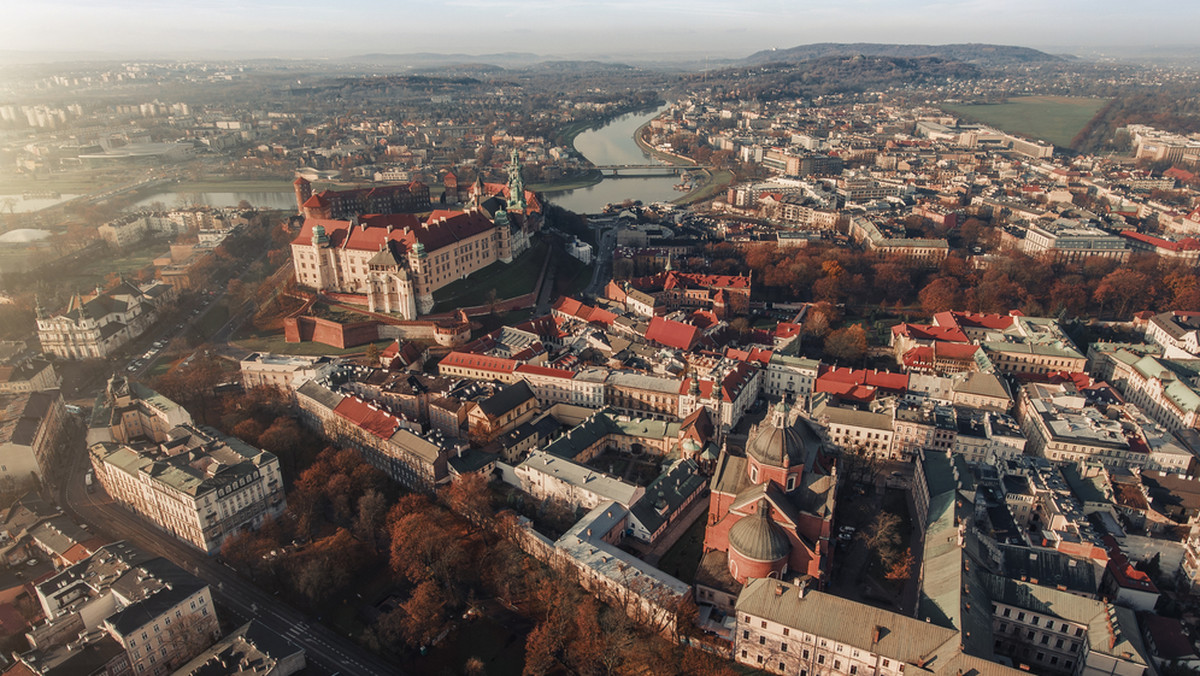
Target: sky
pixel 579 28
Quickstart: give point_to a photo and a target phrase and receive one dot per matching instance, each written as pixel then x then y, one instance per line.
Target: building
pixel 502 412
pixel 131 413
pixel 417 460
pixel 1178 333
pixel 200 487
pixel 786 628
pixel 770 511
pixel 1072 241
pixel 31 435
pixel 160 615
pixel 384 199
pixel 283 372
pixel 393 262
pixel 250 650
pixel 97 326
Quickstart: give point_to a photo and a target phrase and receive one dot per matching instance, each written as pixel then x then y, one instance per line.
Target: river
pixel 613 144
pixel 284 199
pixel 610 144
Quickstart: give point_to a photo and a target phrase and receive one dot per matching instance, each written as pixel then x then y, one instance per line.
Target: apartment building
pixel 195 484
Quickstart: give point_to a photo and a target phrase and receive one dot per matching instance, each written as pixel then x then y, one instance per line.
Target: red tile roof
pixel 885 380
pixel 951 334
pixel 533 369
pixel 672 333
pixel 1185 244
pixel 367 417
pixel 480 362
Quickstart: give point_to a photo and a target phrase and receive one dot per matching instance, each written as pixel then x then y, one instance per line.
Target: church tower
pixel 516 185
pixel 303 192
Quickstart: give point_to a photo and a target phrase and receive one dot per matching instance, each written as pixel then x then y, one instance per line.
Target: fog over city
pixel 608 29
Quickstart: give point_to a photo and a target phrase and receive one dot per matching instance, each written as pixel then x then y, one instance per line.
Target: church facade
pixel 395 261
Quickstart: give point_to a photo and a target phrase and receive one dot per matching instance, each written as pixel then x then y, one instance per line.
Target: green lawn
pixel 1056 119
pixel 508 279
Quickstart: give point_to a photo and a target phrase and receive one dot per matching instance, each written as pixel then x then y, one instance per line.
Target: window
pixel 786 631
pixel 1007 612
pixel 820 659
pixel 760 660
pixel 887 663
pixel 1058 643
pixel 1029 636
pixel 745 633
pixel 1054 659
pixel 1045 639
pixel 805 654
pixel 743 653
pixel 853 669
pixel 1020 617
pixel 762 640
pixel 783 647
pixel 764 624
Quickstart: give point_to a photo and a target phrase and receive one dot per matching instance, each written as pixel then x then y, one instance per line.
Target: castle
pixel 395 261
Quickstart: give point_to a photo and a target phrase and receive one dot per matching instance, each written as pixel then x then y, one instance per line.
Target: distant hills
pixel 980 54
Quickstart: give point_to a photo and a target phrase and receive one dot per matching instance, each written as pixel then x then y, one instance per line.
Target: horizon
pixel 668 30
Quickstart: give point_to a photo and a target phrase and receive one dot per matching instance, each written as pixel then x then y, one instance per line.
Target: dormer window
pixel 791 484
pixel 753 474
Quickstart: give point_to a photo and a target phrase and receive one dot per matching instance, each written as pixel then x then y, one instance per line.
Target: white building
pixel 196 485
pixel 99 326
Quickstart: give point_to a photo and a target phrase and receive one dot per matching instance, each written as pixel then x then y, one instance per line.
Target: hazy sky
pixel 580 27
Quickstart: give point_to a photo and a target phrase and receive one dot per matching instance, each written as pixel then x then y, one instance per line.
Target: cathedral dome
pixel 757 538
pixel 774 439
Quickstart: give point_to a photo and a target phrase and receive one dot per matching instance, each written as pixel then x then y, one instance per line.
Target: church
pixel 393 262
pixel 770 511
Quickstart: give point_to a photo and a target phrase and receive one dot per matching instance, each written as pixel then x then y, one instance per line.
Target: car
pixel 845 537
pixel 131 368
pixel 847 529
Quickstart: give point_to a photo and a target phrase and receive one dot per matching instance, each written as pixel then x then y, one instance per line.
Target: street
pixel 326 652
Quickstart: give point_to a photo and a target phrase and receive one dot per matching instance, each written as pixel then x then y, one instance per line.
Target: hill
pixel 840 74
pixel 980 54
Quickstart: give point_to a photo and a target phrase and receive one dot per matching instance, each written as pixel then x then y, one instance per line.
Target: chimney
pixel 802 590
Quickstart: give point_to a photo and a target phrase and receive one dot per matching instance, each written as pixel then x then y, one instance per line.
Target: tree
pixel 943 293
pixel 1120 289
pixel 902 568
pixel 427 614
pixel 470 496
pixel 849 343
pixel 368 522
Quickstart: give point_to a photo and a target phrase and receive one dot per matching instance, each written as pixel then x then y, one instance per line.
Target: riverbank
pixel 669 158
pixel 713 182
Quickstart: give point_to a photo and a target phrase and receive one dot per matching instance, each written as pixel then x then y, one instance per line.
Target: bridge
pixel 628 170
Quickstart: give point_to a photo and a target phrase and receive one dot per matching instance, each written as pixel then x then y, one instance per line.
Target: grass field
pixel 508 279
pixel 1056 119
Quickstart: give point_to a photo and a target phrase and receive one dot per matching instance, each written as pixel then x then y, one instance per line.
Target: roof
pixel 508 398
pixel 757 538
pixel 368 417
pixel 250 650
pixel 849 622
pixel 672 333
pixel 481 362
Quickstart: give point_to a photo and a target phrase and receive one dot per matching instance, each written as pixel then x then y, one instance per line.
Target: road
pixel 327 652
pixel 606 238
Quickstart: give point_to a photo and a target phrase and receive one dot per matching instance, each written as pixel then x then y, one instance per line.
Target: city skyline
pixel 581 28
